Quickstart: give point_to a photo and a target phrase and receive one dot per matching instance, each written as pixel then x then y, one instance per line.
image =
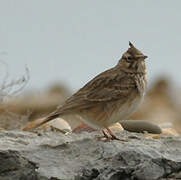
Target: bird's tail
pixel 37 123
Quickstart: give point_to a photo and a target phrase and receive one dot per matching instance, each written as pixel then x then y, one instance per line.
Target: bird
pixel 110 97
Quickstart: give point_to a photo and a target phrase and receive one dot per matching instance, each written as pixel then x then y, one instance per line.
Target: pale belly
pixel 126 110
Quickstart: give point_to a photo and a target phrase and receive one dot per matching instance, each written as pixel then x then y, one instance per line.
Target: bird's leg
pixel 113 137
pixel 105 136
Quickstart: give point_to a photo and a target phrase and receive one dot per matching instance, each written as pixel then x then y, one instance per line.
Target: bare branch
pixel 14 87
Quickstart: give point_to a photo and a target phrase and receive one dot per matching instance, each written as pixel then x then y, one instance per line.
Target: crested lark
pixel 111 96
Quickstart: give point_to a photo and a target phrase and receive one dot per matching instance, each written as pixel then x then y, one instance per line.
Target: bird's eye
pixel 128 59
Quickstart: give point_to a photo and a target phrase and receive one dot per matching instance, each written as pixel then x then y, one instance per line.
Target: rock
pixel 58 124
pixel 15 166
pixel 140 126
pixel 55 156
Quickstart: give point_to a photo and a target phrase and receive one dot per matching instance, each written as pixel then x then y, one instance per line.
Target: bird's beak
pixel 141 56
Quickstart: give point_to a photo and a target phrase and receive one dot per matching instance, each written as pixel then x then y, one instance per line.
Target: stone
pixel 56 156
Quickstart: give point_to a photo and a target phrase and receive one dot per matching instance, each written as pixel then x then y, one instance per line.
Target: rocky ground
pixel 55 156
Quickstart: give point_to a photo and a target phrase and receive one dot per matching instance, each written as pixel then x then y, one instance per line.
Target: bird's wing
pixel 112 89
pixel 107 86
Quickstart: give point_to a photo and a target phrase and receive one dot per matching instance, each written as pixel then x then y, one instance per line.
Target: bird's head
pixel 133 60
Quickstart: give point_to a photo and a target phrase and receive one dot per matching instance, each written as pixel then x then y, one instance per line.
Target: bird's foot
pixel 107 138
pixel 113 137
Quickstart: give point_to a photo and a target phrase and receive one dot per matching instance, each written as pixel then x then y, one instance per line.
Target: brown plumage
pixel 111 96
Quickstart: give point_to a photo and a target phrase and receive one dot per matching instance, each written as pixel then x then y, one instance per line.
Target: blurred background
pixel 64 44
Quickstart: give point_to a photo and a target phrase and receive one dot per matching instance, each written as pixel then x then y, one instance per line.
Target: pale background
pixel 72 41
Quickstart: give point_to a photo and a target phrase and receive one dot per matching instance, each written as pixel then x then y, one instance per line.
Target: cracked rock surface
pixel 54 156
